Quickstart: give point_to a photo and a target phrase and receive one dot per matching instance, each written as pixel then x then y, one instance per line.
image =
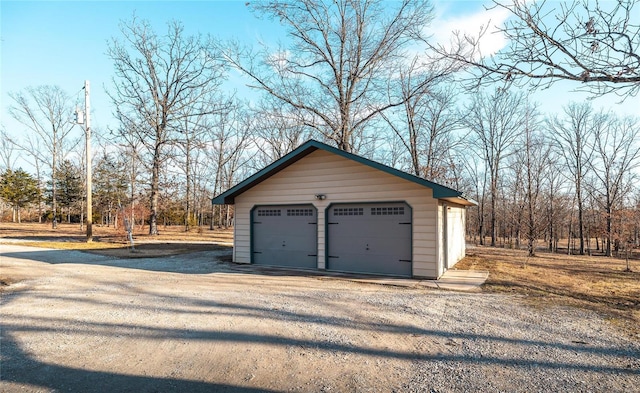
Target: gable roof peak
pixel 308 147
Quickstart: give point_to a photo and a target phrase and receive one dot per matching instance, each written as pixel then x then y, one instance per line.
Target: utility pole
pixel 87 126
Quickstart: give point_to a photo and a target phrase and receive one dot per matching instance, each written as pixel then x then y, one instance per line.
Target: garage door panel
pixel 372 245
pixel 370 238
pixel 285 236
pixel 358 263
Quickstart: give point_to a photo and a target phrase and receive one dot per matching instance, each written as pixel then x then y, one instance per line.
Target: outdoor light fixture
pixel 321 197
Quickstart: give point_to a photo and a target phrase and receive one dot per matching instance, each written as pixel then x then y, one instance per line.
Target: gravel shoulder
pixel 79 322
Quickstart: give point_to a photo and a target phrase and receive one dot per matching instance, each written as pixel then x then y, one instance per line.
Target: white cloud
pixel 279 61
pixel 447 23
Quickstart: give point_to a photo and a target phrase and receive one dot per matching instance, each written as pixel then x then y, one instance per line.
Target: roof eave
pixel 228 197
pixel 460 200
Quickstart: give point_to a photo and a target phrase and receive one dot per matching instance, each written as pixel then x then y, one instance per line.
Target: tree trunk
pixel 155 181
pixel 212 217
pixel 551 228
pixel 37 163
pixel 569 236
pixel 580 216
pixel 494 192
pixel 188 180
pixel 531 233
pixel 54 224
pixel 609 234
pixel 481 223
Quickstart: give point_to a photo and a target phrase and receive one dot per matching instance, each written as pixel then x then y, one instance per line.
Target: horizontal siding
pixel 424 273
pixel 426 211
pixel 346 194
pixel 235 236
pixel 342 181
pixel 421 243
pixel 355 184
pixel 431 251
pixel 456 228
pixel 422 230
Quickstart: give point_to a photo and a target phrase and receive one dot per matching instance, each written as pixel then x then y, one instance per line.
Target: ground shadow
pixel 68 379
pixel 20 366
pixel 201 262
pixel 211 258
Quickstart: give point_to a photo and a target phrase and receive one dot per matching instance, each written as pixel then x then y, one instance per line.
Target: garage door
pixel 370 238
pixel 285 236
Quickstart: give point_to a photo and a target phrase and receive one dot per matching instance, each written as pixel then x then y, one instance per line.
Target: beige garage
pixel 352 214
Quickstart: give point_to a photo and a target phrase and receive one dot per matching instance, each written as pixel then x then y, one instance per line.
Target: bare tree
pixel 594 43
pixel 341 56
pixel 7 150
pixel 512 208
pixel 191 144
pixel 32 145
pixel 635 203
pixel 229 138
pixel 474 170
pixel 46 112
pixel 428 117
pixel 617 154
pixel 572 135
pixel 495 122
pixel 277 130
pixel 156 79
pixel 536 157
pixel 553 184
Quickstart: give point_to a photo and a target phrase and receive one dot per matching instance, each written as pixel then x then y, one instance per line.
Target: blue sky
pixel 64 43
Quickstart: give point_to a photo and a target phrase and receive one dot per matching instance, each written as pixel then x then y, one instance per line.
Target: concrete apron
pixel 453 280
pixel 459 280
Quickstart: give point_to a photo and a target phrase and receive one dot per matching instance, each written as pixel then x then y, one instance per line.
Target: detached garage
pixel 323 208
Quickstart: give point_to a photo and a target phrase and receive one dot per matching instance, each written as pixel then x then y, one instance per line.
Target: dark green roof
pixel 228 197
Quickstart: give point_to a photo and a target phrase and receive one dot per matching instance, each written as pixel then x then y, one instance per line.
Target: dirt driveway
pixel 78 322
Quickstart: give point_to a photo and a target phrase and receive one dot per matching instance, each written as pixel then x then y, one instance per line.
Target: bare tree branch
pixel 594 43
pixel 159 81
pixel 341 56
pixel 46 112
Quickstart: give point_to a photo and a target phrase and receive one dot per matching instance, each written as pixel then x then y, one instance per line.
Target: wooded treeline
pixel 362 76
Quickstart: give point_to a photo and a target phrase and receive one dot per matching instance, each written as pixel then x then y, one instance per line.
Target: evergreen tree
pixel 19 189
pixel 110 187
pixel 70 186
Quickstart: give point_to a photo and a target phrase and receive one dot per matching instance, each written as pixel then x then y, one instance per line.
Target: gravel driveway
pixel 85 323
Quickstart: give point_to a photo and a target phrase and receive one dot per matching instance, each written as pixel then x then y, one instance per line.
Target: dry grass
pixel 113 242
pixel 73 233
pixel 596 283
